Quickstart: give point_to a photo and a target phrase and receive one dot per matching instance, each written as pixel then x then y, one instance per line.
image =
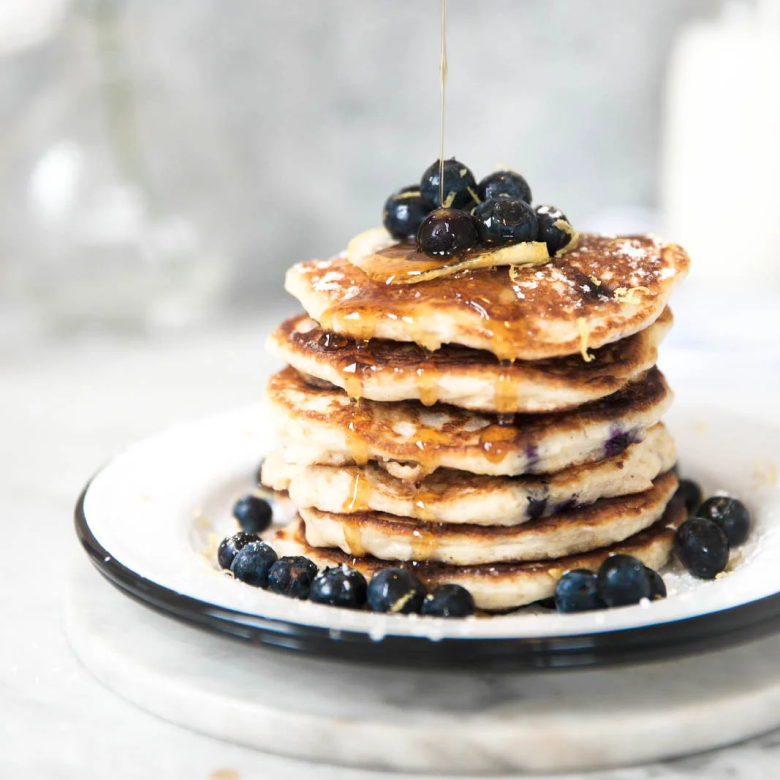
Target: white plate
pixel 151 518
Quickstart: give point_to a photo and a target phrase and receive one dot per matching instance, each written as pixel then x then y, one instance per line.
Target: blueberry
pixel 253 514
pixel 618 442
pixel 702 547
pixel 449 601
pixel 458 180
pixel 657 584
pixel 339 586
pixel 553 236
pixel 404 211
pixel 505 221
pixel 231 545
pixel 730 515
pixel 395 591
pixel 623 580
pixel 469 207
pixel 446 233
pixel 504 183
pixel 252 564
pixel 690 493
pixel 292 576
pixel 577 591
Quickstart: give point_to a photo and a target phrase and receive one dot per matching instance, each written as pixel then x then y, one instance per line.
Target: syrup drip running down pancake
pixel 392 538
pixel 458 497
pixel 319 425
pixel 500 586
pixel 471 379
pixel 582 299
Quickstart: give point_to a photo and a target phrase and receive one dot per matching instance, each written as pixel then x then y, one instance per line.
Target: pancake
pixel 469 378
pixel 448 496
pixel 392 538
pixel 317 425
pixel 537 312
pixel 500 586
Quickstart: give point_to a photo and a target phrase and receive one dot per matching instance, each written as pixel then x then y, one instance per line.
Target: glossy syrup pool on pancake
pixel 515 313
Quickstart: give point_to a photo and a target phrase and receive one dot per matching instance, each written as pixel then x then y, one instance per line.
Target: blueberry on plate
pixel 623 580
pixel 730 515
pixel 292 576
pixel 395 591
pixel 702 547
pixel 657 584
pixel 404 211
pixel 339 586
pixel 577 591
pixel 231 545
pixel 506 183
pixel 447 233
pixel 459 184
pixel 253 514
pixel 449 601
pixel 505 221
pixel 252 564
pixel 552 235
pixel 690 493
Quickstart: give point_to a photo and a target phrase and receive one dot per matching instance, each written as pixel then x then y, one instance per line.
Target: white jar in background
pixel 720 185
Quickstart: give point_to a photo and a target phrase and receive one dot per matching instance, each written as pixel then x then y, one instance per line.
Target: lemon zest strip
pixel 628 294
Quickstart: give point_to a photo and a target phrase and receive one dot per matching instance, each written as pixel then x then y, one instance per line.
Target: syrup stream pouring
pixel 443 87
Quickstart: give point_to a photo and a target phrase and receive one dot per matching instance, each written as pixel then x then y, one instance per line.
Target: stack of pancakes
pixel 493 428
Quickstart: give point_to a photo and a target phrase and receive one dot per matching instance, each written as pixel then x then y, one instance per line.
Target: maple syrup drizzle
pixel 356 444
pixel 353 385
pixel 424 501
pixel 353 536
pixel 343 318
pixel 495 441
pixel 505 393
pixel 427 386
pixel 428 442
pixel 359 492
pixel 443 69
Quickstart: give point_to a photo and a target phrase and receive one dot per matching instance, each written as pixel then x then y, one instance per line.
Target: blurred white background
pixel 161 164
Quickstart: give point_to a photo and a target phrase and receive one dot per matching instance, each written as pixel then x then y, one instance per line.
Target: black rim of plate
pixel 662 641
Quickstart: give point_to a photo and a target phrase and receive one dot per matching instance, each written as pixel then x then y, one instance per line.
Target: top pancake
pixel 532 313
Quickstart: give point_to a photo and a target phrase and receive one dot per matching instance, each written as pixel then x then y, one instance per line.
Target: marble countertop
pixel 64 409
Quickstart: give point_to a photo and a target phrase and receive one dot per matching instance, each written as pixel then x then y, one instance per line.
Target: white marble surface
pixel 417 720
pixel 63 411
